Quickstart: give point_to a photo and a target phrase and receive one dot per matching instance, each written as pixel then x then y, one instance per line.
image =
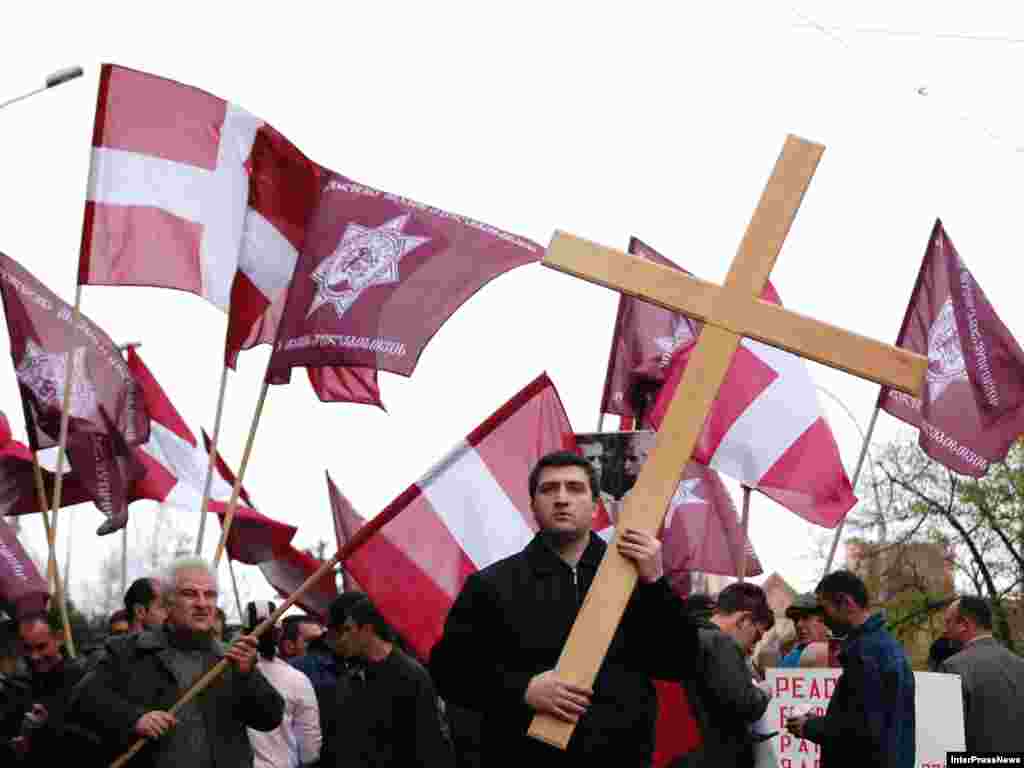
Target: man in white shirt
pixel 296 742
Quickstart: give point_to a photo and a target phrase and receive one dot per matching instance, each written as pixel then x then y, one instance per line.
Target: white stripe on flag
pixel 186 462
pixel 476 510
pixel 773 422
pixel 267 257
pixel 215 199
pixel 117 177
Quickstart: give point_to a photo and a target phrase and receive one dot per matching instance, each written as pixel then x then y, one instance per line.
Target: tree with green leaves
pixel 978 522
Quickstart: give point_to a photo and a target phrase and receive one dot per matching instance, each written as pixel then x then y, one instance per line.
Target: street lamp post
pixel 864 453
pixel 52 80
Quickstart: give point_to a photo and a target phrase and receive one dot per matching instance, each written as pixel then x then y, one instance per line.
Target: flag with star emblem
pixel 44 343
pixel 377 277
pixel 702 532
pixel 972 408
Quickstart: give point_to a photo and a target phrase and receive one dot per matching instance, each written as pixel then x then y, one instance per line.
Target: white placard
pixel 938 705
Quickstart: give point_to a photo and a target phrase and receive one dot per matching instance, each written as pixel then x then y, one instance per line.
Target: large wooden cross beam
pixel 729 313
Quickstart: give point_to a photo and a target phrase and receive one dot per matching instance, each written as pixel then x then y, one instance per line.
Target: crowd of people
pixel 348 692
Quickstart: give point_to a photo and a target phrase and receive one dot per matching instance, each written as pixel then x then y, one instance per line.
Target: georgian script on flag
pixel 377 276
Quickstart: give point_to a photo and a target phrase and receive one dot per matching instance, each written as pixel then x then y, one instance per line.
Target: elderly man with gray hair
pixel 141 677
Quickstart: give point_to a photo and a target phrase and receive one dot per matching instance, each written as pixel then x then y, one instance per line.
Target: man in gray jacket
pixel 725 699
pixel 991 676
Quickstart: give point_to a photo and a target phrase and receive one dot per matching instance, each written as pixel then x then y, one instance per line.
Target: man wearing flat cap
pixel 812 635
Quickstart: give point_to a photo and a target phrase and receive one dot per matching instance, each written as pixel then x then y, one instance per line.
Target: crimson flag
pixel 287 572
pixel 42 342
pixel 22 589
pixel 766 429
pixel 346 522
pixel 972 407
pixel 378 275
pixel 702 532
pixel 254 538
pixel 345 385
pixel 107 469
pixel 18 494
pixel 644 340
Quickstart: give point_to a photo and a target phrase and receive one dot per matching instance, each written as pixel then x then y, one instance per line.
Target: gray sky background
pixel 594 118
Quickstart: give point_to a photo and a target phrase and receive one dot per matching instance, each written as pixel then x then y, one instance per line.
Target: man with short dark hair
pixel 388 711
pixel 142 676
pixel 46 735
pixel 507 627
pixel 725 699
pixel 296 633
pixel 324 664
pixel 871 717
pixel 144 606
pixel 992 679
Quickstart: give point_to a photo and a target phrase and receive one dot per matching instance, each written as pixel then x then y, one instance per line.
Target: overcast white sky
pixel 598 119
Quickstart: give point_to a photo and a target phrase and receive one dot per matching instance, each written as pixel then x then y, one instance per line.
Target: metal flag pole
pixel 853 482
pixel 741 566
pixel 52 80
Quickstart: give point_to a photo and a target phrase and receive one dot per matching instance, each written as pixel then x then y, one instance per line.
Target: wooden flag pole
pixel 211 464
pixel 343 554
pixel 58 586
pixel 741 566
pixel 853 482
pixel 229 515
pixel 58 477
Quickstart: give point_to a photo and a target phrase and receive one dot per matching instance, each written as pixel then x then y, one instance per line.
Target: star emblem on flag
pixel 43 374
pixel 366 256
pixel 946 362
pixel 669 344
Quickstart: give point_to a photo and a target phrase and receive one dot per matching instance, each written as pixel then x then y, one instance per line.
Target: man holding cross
pixel 729 312
pixel 505 631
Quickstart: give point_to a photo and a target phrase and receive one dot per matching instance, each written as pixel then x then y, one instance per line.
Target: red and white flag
pixel 766 430
pixel 346 522
pixel 191 192
pixel 973 404
pixel 176 467
pixel 287 572
pixel 470 510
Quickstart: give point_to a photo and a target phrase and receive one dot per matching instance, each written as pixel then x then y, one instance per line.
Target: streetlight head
pixel 62 76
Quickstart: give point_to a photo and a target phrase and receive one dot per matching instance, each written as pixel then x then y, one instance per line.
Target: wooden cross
pixel 729 313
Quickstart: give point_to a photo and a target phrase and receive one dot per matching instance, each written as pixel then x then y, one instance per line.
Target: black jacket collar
pixel 543 558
